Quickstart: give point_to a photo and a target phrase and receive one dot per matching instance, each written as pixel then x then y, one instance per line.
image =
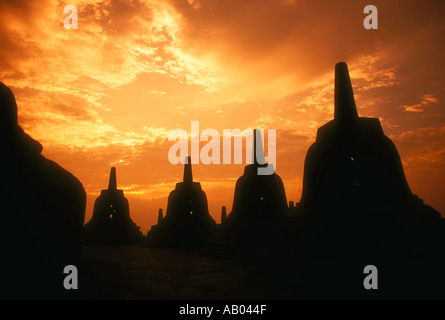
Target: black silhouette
pixel 42 213
pixel 353 174
pixel 111 222
pixel 352 162
pixel 357 209
pixel 160 216
pixel 259 201
pixel 223 215
pixel 187 222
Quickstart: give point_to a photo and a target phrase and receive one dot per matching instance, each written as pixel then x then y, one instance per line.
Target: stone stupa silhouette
pixel 42 208
pixel 259 201
pixel 111 223
pixel 187 222
pixel 357 209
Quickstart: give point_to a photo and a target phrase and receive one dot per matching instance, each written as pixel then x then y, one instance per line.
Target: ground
pixel 138 272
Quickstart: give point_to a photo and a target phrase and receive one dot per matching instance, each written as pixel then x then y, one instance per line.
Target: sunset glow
pixel 108 93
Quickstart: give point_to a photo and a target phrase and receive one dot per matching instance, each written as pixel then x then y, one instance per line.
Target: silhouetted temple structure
pixel 259 200
pixel 42 208
pixel 223 215
pixel 111 222
pixel 160 216
pixel 187 221
pixel 357 209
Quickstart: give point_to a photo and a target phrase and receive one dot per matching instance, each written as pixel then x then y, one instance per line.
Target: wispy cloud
pixel 426 101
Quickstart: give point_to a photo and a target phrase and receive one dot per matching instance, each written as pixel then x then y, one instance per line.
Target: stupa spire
pixel 188 177
pixel 257 150
pixel 112 182
pixel 345 108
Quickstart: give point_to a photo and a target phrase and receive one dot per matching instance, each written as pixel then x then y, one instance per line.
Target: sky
pixel 108 93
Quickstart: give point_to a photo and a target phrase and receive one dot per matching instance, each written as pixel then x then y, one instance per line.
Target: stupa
pixel 357 208
pixel 42 213
pixel 259 200
pixel 111 222
pixel 187 221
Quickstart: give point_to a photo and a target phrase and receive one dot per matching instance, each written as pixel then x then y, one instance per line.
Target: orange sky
pixel 108 93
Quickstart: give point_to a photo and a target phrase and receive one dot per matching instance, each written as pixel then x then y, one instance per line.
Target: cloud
pixel 427 100
pixel 115 41
pixel 423 157
pixel 60 76
pixel 422 146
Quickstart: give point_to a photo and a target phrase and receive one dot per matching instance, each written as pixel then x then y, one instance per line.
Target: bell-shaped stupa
pixel 111 222
pixel 357 209
pixel 257 198
pixel 42 209
pixel 187 221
